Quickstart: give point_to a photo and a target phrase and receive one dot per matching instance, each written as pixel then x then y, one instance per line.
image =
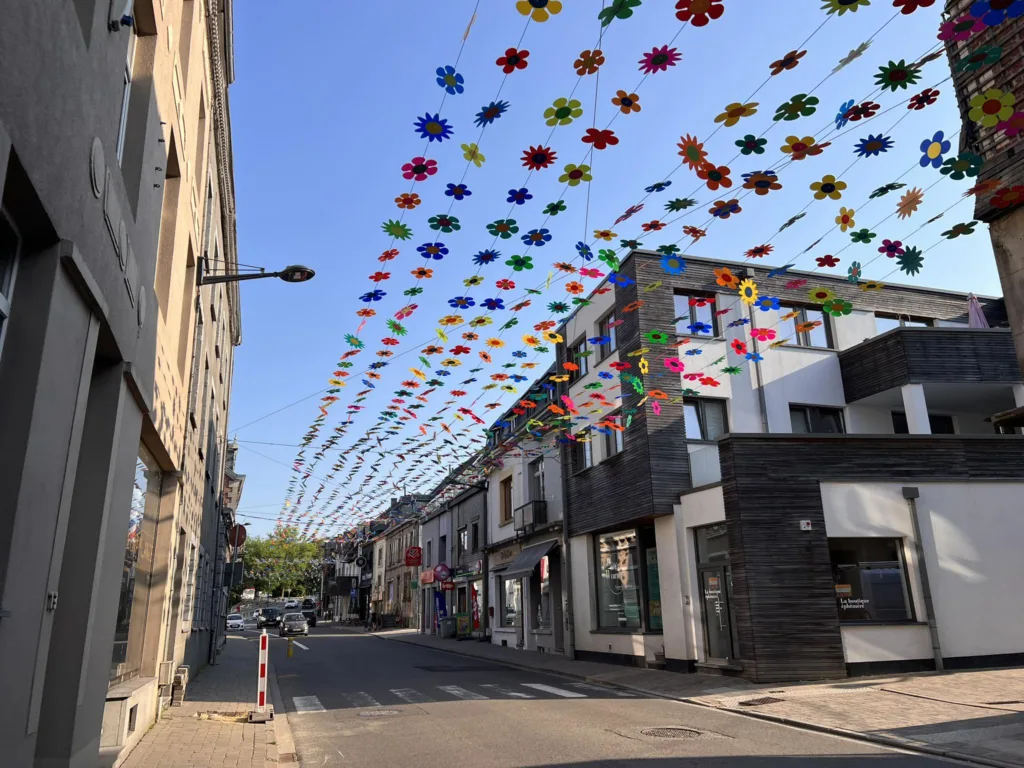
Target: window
pixel 535 471
pixel 474 537
pixel 463 544
pixel 697 311
pixel 885 323
pixel 870 580
pixel 613 440
pixel 818 336
pixel 938 423
pixel 606 328
pixel 704 419
pixel 427 560
pixel 512 590
pixel 442 549
pixel 583 454
pixel 544 604
pixel 126 92
pixel 190 585
pixel 812 419
pixel 578 355
pixel 10 245
pixel 618 588
pixel 505 489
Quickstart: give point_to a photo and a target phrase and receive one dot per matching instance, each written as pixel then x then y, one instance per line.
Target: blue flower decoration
pixel 605 375
pixel 841 118
pixel 673 264
pixel 738 322
pixel 754 357
pixel 584 251
pixel 537 237
pixel 490 113
pixel 598 340
pixel 518 196
pixel 450 80
pixel 517 377
pixel 458 191
pixel 873 145
pixel 993 17
pixel 934 149
pixel 442 373
pixel 433 128
pixel 692 352
pixel 519 353
pixel 660 186
pixel 767 303
pixel 435 251
pixel 376 295
pixel 494 304
pixel 699 328
pixel 461 302
pixel 780 270
pixel 618 279
pixel 377 366
pixel 486 257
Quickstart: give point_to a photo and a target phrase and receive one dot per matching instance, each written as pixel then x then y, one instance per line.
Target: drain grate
pixel 379 713
pixel 671 733
pixel 760 702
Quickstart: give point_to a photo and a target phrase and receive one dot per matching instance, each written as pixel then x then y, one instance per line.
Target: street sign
pixel 237 535
pixel 413 556
pixel 448 585
pixel 442 572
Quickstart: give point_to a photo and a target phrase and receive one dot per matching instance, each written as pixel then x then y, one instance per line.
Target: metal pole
pixel 910 494
pixel 485 592
pixel 570 632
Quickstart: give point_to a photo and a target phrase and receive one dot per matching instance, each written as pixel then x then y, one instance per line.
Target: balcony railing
pixel 530 515
pixel 705 467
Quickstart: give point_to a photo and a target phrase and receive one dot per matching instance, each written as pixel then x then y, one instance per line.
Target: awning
pixel 527 560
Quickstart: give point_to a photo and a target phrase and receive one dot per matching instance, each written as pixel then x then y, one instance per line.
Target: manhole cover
pixel 379 713
pixel 671 733
pixel 760 702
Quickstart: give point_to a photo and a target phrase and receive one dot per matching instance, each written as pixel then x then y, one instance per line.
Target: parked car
pixel 235 621
pixel 291 604
pixel 268 617
pixel 293 624
pixel 309 611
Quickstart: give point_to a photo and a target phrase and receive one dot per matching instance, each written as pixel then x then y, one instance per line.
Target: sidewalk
pixel 209 729
pixel 977 716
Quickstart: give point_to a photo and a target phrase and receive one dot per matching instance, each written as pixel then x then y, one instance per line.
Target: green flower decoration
pixel 541 350
pixel 353 341
pixel 964 228
pixel 838 307
pixel 595 385
pixel 396 327
pixel 580 302
pixel 519 263
pixel 396 229
pixel 733 370
pixel 345 364
pixel 444 223
pixel 853 274
pixel 533 291
pixel 503 228
pixel 897 75
pixel 558 307
pixel 412 291
pixel 512 322
pixel 630 245
pixel 964 164
pixel 751 145
pixel 638 386
pixel 668 250
pixel 472 282
pixel 980 57
pixel 553 209
pixel 842 6
pixel 863 236
pixel 680 204
pixel 563 111
pixel 911 261
pixel 799 105
pixel 609 258
pixel 890 187
pixel 619 9
pixel 654 336
pixel 791 221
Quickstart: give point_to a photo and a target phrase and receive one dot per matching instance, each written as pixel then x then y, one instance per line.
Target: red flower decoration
pixel 707 381
pixel 907 7
pixel 460 349
pixel 1008 197
pixel 505 284
pixel 457 392
pixel 691 376
pixel 513 60
pixel 630 212
pixel 620 365
pixel 739 347
pixel 537 158
pixel 378 276
pixel 699 12
pixel 419 168
pixel 715 176
pixel 601 139
pixel 659 60
pixel 695 232
pixel 701 301
pixel 922 99
pixel 759 251
pixel 366 313
pixel 545 325
pixel 827 261
pixel 388 255
pixel 861 111
pixel 794 284
pixel 652 226
pixel 389 342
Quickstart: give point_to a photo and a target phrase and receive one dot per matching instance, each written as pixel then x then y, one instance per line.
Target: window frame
pixel 504 601
pixel 901 559
pixel 584 366
pixel 535 480
pixel 505 511
pixel 806 408
pixel 803 338
pixel 126 93
pixel 700 403
pixel 583 451
pixel 716 329
pixel 604 351
pixel 461 542
pixel 6 297
pixel 931 425
pixel 644 537
pixel 614 440
pixel 902 321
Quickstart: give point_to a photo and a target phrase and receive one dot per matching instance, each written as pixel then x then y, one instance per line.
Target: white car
pixel 235 621
pixel 291 604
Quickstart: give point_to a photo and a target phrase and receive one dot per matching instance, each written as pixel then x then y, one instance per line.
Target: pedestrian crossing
pixel 446 693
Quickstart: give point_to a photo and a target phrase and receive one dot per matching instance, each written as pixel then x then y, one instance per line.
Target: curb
pixel 282 728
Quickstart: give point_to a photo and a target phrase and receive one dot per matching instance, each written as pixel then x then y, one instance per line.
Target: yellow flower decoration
pixel 871 285
pixel 733 112
pixel 574 174
pixel 560 378
pixel 644 366
pixel 748 291
pixel 451 320
pixel 451 362
pixel 845 219
pixel 472 153
pixel 480 321
pixel 528 366
pixel 820 295
pixel 539 10
pixel 789 316
pixel 800 148
pixel 471 282
pixel 531 340
pixel 992 107
pixel 828 187
pixel 554 338
pixel 495 343
pixel 604 234
pixel 563 111
pixel 507 388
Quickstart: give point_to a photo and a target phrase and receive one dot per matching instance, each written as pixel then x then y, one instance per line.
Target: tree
pixel 281 562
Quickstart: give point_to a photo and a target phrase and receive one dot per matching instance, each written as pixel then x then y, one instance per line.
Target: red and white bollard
pixel 260 714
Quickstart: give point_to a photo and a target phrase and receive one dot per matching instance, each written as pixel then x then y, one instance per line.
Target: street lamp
pixel 295 273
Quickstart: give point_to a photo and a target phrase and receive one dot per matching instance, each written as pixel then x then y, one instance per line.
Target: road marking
pixel 462 693
pixel 601 690
pixel 307 704
pixel 507 691
pixel 303 647
pixel 411 696
pixel 556 691
pixel 361 699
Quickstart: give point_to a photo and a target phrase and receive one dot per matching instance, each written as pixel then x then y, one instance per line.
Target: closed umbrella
pixel 975 315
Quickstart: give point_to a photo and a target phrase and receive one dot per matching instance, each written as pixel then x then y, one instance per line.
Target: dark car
pixel 269 617
pixel 293 624
pixel 309 611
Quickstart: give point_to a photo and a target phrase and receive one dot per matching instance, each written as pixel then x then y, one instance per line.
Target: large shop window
pixel 627 575
pixel 544 604
pixel 870 578
pixel 512 590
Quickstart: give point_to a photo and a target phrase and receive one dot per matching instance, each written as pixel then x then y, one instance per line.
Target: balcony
pixel 705 467
pixel 530 515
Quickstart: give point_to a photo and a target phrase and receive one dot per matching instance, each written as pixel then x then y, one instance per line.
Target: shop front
pixel 528 594
pixel 469 588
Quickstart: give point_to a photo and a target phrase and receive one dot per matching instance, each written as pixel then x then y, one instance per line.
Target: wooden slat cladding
pixel 922 355
pixel 787 623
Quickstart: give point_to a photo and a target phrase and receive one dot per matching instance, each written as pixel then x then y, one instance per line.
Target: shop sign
pixel 442 572
pixel 427 577
pixel 505 555
pixel 413 556
pixel 448 585
pixel 470 569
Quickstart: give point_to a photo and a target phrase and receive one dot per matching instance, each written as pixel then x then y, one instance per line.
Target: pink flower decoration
pixel 586 272
pixel 960 29
pixel 794 284
pixel 419 168
pixel 1014 126
pixel 659 60
pixel 891 248
pixel 675 365
pixel 762 334
pixel 691 376
pixel 656 407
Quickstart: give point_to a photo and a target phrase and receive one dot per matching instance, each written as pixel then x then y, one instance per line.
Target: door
pixel 715 615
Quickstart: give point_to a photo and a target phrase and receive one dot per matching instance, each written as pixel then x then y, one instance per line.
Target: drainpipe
pixel 485 592
pixel 762 401
pixel 570 632
pixel 910 494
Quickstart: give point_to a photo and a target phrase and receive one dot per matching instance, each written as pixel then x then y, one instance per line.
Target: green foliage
pixel 282 562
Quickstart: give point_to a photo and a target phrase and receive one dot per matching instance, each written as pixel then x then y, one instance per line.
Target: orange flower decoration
pixel 495 343
pixel 725 278
pixel 531 341
pixel 555 409
pixel 388 255
pixel 715 176
pixel 657 394
pixel 589 62
pixel 604 234
pixel 545 325
pixel 366 312
pixel 570 366
pixel 692 152
pixel 633 306
pixel 788 61
pixel 804 327
pixel 626 102
pixel 372 375
pixel 422 273
pixel 984 186
pixel 695 232
pixel 574 288
pixel 408 200
pixel 485 356
pixel 470 336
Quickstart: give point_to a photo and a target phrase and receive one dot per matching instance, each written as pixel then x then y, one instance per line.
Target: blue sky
pixel 322 115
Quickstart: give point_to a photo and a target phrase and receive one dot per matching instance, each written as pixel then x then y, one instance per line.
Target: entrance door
pixel 716 616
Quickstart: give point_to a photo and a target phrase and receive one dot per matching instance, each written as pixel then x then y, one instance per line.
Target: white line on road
pixel 411 696
pixel 307 704
pixel 601 690
pixel 361 699
pixel 507 691
pixel 462 693
pixel 556 691
pixel 303 647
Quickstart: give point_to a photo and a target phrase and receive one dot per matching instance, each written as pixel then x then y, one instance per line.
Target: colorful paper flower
pixel 748 292
pixel 800 105
pixel 692 152
pixel 553 209
pixel 842 6
pixel 658 186
pixel 388 255
pixel 960 29
pixel 862 236
pixel 435 251
pixel 725 278
pixel 853 273
pixel 994 12
pixel 699 12
pixel 374 295
pixel 723 209
pixel 624 280
pixel 909 203
pixel 396 229
pixel 886 189
pixel 600 138
pixel 762 182
pixel 444 223
pixel 674 364
pixel 933 150
pixel 759 251
pixel 862 111
pixel 680 204
pixel 751 145
pixel 617 9
pixel 837 307
pixel 503 228
pixel 852 56
pixel 845 219
pixel 605 234
pixel 829 187
pixel 537 237
pixel 891 248
pixel 698 328
pixel 695 232
pixel 519 263
pixel 673 264
pixel 589 62
pixel 992 106
pixel 964 164
pixel 820 295
pixel 963 228
pixel 408 201
pixel 626 102
pixel 1008 197
pixel 539 157
pixel 789 61
pixel 762 334
pixel 1014 126
pixel 461 302
pixel 574 174
pixel 563 111
pixel 873 145
pixel 828 260
pixel 801 148
pixel 715 177
pixel 472 282
pixel 379 276
pixel 841 119
pixel 659 60
pixel 512 60
pixel 735 112
pixel 907 7
pixel 490 113
pixel 457 191
pixel 911 261
pixel 486 257
pixel 419 168
pixel 897 75
pixel 983 56
pixel 519 196
pixel 450 80
pixel 767 303
pixel 539 10
pixel 923 99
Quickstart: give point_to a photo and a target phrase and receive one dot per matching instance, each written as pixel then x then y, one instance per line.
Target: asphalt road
pixel 359 700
